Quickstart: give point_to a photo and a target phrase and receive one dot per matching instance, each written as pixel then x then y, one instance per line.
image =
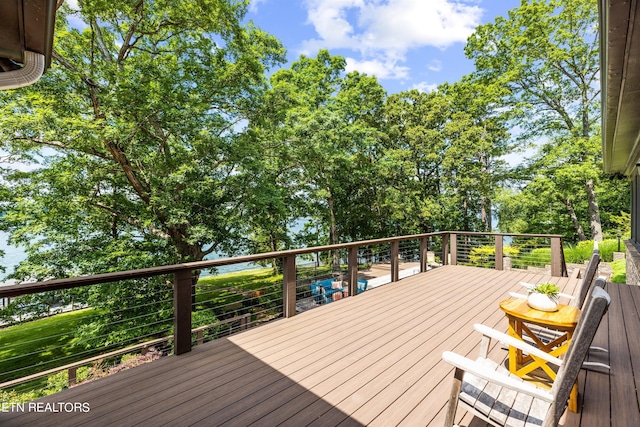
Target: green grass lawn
pixel 619 271
pixel 43 340
pixel 42 344
pixel 37 346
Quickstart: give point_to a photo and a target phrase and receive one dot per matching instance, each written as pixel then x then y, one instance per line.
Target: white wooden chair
pixel 547 335
pixel 490 392
pixel 585 285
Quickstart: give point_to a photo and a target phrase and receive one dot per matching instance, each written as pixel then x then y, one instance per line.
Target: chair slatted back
pixel 587 280
pixel 590 318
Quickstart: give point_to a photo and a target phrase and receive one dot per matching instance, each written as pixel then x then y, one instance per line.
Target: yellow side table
pixel 564 320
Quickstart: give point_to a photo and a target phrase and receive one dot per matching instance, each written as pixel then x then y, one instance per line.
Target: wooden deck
pixel 374 359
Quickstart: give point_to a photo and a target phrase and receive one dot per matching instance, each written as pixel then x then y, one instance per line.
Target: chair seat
pixel 498 405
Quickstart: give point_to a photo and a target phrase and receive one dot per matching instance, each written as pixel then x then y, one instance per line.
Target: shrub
pixel 484 256
pixel 538 257
pixel 619 271
pixel 582 251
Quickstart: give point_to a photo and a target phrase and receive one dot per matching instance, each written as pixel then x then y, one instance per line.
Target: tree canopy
pixel 159 136
pixel 143 111
pixel 545 56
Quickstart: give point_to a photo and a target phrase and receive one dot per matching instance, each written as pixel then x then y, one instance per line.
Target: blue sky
pixel 405 43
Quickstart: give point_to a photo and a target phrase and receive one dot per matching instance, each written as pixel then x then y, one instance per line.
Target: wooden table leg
pixel 573 398
pixel 513 352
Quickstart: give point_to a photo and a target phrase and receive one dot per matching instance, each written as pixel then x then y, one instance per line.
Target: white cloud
pixel 425 87
pixel 384 30
pixel 435 65
pixel 378 68
pixel 253 7
pixel 73 19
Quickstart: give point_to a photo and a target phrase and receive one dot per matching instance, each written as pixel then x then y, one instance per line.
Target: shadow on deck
pixel 373 359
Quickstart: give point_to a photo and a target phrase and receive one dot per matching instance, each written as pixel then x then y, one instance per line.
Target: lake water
pixel 13 256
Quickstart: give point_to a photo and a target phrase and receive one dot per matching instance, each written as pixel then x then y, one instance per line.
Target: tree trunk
pixel 333 235
pixel 574 220
pixel 273 246
pixel 486 213
pixel 594 212
pixel 485 201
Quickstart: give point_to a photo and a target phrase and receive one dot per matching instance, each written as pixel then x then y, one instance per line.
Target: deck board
pixel 373 359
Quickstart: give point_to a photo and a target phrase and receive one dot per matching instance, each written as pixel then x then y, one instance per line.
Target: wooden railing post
pixel 244 322
pixel 557 257
pixel 289 285
pixel 72 376
pixel 453 241
pixel 499 248
pixel 395 250
pixel 424 248
pixel 182 311
pixel 445 249
pixel 352 270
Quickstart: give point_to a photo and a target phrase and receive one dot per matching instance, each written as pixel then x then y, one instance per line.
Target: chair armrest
pixel 486 373
pixel 523 296
pixel 517 295
pixel 514 342
pixel 527 285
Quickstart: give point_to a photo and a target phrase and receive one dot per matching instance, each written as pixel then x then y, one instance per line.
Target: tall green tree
pixel 410 168
pixel 140 124
pixel 545 56
pixel 136 138
pixel 327 126
pixel 473 164
pixel 442 157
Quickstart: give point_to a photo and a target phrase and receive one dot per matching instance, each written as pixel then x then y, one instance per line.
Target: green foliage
pixel 550 289
pixel 621 225
pixel 44 341
pixel 14 396
pixel 544 56
pixel 442 157
pixel 484 256
pixel 577 254
pixel 139 151
pixel 127 312
pixel 329 120
pixel 537 257
pixel 145 164
pixel 619 271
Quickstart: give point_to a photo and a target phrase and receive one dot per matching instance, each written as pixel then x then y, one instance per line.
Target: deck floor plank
pixel 374 359
pixel 622 386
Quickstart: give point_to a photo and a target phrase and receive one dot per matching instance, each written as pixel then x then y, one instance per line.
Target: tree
pixel 545 54
pixel 326 127
pixel 137 138
pixel 477 140
pixel 442 157
pixel 144 110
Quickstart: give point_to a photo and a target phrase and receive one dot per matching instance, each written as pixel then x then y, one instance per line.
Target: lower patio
pixel 373 359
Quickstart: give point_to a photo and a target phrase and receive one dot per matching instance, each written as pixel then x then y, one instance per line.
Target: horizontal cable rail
pixel 73 282
pixel 168 313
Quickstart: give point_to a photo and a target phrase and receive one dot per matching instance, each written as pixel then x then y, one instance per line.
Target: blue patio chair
pixel 362 285
pixel 318 293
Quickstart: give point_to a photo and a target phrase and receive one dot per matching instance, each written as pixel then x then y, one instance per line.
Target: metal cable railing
pixel 163 312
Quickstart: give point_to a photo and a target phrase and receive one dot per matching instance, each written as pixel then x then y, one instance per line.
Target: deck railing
pixel 476 249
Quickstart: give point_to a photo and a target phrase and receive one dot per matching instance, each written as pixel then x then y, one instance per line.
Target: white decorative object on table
pixel 544 297
pixel 541 302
